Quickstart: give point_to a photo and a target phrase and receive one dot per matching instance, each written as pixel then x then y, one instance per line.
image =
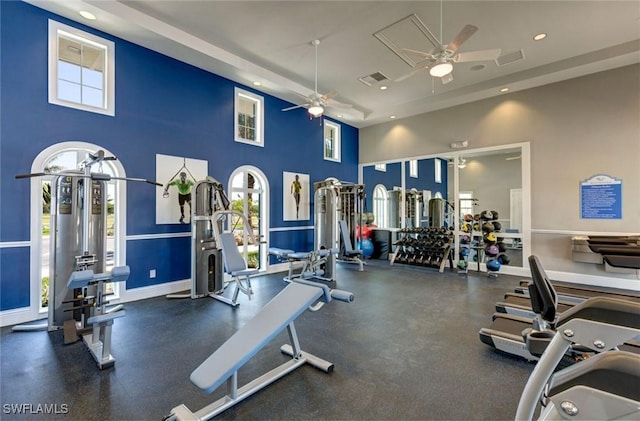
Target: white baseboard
pixel 151 291
pixel 18 316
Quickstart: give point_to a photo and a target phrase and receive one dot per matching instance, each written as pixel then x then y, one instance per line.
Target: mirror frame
pixel 525 235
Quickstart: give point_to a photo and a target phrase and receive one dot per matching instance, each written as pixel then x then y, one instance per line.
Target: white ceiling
pixel 270 42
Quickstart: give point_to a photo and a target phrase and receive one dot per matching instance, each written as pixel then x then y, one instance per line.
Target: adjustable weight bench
pixel 308 264
pixel 99 340
pixel 223 365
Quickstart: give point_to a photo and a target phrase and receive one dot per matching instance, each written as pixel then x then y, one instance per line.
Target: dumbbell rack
pixel 427 247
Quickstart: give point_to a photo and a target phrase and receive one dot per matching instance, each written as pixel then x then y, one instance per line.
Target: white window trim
pixel 259 117
pixel 338 141
pixel 110 72
pixel 437 164
pixel 413 168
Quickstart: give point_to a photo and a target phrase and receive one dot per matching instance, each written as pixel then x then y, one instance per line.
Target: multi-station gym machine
pixel 209 212
pixel 337 201
pixel 77 294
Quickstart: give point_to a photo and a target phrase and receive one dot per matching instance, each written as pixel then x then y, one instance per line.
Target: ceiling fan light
pixel 316 110
pixel 441 69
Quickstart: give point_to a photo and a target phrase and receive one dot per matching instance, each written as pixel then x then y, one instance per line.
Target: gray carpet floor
pixel 407 348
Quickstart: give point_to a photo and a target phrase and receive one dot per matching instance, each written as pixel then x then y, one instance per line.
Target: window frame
pixel 259 117
pixel 437 166
pixel 380 167
pixel 57 29
pixel 336 128
pixel 413 168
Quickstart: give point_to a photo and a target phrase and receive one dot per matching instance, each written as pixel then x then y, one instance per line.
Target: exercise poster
pixel 295 196
pixel 601 198
pixel 178 176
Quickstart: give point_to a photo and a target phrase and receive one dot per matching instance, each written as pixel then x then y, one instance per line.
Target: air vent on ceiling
pixel 509 58
pixel 373 78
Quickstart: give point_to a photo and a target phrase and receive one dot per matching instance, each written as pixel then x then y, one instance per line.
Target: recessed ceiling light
pixel 504 89
pixel 339 115
pixel 392 117
pixel 384 88
pixel 540 36
pixel 87 15
pixel 257 83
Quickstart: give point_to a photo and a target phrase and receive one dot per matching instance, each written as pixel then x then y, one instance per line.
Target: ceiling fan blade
pixel 413 72
pixel 295 106
pixel 480 55
pixel 329 95
pixel 421 54
pixel 464 35
pixel 447 78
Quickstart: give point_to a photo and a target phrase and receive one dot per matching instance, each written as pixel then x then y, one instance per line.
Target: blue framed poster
pixel 601 198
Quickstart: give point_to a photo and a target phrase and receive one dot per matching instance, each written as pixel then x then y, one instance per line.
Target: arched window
pixel 381 206
pixel 66 156
pixel 249 193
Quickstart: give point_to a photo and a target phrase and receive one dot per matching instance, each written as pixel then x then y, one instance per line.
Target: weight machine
pixel 210 208
pixel 77 295
pixel 337 201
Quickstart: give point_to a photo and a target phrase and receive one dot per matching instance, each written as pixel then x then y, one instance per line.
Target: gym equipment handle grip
pixel 340 295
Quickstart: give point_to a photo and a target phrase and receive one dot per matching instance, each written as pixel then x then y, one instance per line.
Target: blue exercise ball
pixel 366 245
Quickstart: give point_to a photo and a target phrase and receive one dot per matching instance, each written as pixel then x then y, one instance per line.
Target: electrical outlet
pixel 152 273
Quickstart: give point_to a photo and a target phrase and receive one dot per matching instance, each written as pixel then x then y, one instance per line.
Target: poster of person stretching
pixel 178 176
pixel 295 204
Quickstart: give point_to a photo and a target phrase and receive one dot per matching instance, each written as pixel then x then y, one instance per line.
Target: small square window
pixel 81 70
pixel 249 117
pixel 381 167
pixel 331 141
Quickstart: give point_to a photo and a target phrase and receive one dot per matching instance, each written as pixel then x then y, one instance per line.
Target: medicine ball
pixel 465 239
pixel 495 214
pixel 486 215
pixel 503 259
pixel 464 252
pixel 462 264
pixel 501 246
pixel 476 227
pixel 493 265
pixel 468 218
pixel 487 227
pixel 497 226
pixel 491 250
pixel 476 217
pixel 490 238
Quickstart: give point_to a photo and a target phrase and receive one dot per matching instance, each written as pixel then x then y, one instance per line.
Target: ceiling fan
pixel 316 103
pixel 440 60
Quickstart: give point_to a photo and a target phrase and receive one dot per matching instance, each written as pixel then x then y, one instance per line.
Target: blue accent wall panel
pixel 170 257
pixel 390 179
pixel 163 106
pixel 15 283
pixel 426 177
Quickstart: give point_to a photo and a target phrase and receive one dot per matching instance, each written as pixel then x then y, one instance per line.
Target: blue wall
pixel 426 177
pixel 163 106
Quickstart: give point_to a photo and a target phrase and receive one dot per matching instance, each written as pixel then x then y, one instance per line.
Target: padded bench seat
pixel 283 309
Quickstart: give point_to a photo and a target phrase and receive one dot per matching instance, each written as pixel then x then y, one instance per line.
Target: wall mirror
pixel 470 181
